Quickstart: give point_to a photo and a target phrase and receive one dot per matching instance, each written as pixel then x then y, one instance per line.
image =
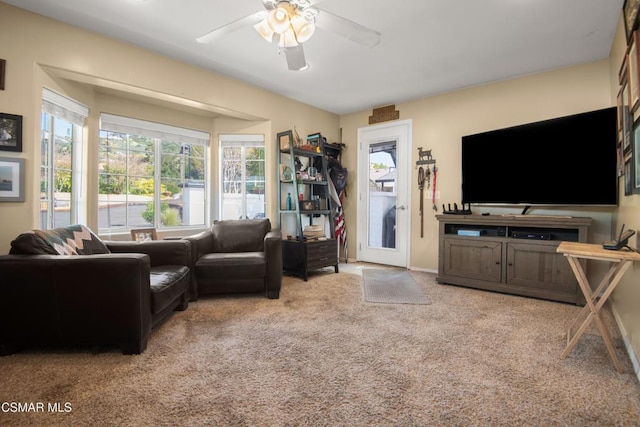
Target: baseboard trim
pixel 424 270
pixel 627 344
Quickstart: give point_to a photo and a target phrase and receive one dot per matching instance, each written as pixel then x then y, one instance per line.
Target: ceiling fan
pixel 289 23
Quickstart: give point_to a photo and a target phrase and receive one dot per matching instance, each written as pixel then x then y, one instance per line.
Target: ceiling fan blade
pixel 348 29
pixel 252 19
pixel 295 58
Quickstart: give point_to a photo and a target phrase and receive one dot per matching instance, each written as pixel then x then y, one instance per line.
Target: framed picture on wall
pixel 11 179
pixel 630 13
pixel 620 162
pixel 633 72
pixel 627 119
pixel 3 66
pixel 10 132
pixel 635 158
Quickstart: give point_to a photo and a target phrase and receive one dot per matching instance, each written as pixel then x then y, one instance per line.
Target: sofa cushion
pixel 240 235
pixel 168 282
pixel 72 240
pixel 239 265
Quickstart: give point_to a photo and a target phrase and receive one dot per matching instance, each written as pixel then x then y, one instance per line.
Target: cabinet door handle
pixel 497 262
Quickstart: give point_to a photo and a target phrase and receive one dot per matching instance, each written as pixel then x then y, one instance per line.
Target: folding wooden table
pixel 620 261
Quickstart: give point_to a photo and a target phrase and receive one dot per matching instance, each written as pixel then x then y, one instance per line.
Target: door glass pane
pixel 382 195
pixel 255 182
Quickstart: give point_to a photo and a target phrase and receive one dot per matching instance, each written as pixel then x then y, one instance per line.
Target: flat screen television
pixel 568 160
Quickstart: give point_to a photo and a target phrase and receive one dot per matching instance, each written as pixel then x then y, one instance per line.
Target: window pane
pixel 171 203
pixel 255 182
pixel 193 207
pixel 232 183
pixel 44 209
pixel 111 200
pixel 56 157
pixel 139 212
pixel 113 140
pixel 243 179
pixel 172 166
pixel 130 194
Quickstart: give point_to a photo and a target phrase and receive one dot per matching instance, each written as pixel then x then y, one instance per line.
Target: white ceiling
pixel 427 47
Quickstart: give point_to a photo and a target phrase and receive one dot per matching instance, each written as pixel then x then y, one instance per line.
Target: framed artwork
pixel 630 12
pixel 633 72
pixel 285 140
pixel 636 158
pixel 626 119
pixel 10 132
pixel 620 161
pixel 3 66
pixel 11 179
pixel 144 234
pixel 628 175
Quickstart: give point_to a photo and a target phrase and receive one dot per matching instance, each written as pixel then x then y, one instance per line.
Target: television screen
pixel 564 161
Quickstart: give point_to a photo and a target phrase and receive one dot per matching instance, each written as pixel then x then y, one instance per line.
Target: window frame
pixel 242 141
pixel 59 107
pixel 159 135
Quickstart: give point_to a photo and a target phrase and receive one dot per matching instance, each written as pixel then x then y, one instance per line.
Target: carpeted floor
pixel 321 356
pixel 392 286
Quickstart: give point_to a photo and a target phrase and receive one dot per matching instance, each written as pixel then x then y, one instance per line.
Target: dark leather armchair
pixel 114 296
pixel 237 256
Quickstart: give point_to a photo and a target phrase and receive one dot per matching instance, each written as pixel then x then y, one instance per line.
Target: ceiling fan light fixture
pixel 288 39
pixel 278 19
pixel 302 27
pixel 264 29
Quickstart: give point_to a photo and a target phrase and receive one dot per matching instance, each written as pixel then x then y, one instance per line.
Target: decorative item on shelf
pixel 144 234
pixel 455 211
pixel 315 139
pixel 286 173
pixel 313 231
pixel 285 139
pixel 289 202
pixel 309 205
pixel 297 141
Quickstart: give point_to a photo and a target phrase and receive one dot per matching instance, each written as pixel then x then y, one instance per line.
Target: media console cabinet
pixel 515 254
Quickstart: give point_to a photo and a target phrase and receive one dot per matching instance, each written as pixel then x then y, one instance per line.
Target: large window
pixel 61 148
pixel 150 175
pixel 242 179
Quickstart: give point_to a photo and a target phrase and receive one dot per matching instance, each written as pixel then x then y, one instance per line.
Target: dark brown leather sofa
pixel 237 256
pixel 103 294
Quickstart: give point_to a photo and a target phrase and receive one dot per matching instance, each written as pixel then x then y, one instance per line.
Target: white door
pixel 384 179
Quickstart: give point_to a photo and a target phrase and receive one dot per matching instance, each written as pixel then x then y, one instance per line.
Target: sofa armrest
pixel 161 252
pixel 201 243
pixel 273 255
pixel 76 300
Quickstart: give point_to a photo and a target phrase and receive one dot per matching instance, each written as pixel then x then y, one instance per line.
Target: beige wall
pixel 44 52
pixel 440 121
pixel 626 298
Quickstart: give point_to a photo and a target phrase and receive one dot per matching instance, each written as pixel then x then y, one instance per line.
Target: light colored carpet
pixel 321 356
pixel 392 286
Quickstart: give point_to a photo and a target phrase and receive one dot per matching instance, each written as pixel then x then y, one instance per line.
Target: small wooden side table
pixel 620 261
